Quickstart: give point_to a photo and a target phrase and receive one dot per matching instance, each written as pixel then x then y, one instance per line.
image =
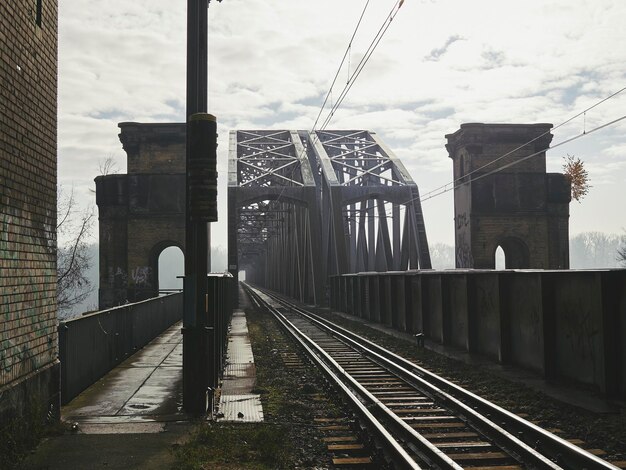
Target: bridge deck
pixel 129 419
pixel 132 417
pixel 140 395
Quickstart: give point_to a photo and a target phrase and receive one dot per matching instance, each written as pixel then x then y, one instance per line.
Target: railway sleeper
pixel 480 458
pixel 449 433
pixel 435 412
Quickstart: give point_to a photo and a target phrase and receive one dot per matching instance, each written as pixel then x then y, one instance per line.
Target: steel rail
pixel 500 436
pixel 532 437
pixel 425 450
pixel 316 354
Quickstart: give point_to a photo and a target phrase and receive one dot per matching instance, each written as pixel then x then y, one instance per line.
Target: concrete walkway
pixel 129 419
pixel 140 395
pixel 237 401
pixel 132 417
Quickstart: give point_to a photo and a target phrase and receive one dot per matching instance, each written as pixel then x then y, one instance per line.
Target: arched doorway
pixel 500 261
pixel 515 254
pixel 171 266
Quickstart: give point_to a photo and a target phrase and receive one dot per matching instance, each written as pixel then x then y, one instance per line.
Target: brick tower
pixel 503 197
pixel 141 213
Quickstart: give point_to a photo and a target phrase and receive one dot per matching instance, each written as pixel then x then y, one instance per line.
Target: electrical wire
pixel 566 141
pixel 582 113
pixel 449 186
pixel 351 78
pixel 452 185
pixel 361 65
pixel 343 59
pixel 444 189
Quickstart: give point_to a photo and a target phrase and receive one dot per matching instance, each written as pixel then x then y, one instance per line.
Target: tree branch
pixel 77 242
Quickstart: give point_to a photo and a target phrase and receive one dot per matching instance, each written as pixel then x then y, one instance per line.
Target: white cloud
pixel 271 63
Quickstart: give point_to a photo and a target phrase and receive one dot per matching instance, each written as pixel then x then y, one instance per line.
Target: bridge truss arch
pixel 303 206
pixel 272 213
pixel 371 209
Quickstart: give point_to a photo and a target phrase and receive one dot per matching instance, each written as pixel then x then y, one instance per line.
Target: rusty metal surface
pixel 237 402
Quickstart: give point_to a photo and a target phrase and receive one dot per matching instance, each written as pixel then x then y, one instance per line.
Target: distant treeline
pixel 596 250
pixel 588 250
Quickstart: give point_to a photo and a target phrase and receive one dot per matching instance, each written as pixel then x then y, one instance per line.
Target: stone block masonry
pixel 141 213
pixel 28 168
pixel 504 198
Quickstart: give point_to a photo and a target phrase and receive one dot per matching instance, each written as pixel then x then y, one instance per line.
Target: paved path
pixel 129 419
pixel 132 417
pixel 140 395
pixel 238 402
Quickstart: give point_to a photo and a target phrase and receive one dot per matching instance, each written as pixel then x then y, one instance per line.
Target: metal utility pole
pixel 201 208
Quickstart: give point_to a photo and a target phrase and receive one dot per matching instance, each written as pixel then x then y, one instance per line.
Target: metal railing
pixel 92 345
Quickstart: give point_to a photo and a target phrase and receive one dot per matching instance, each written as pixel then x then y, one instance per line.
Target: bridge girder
pixel 365 186
pixel 303 206
pixel 272 213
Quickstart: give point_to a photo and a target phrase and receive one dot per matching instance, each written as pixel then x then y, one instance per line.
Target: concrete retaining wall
pixel 92 345
pixel 484 315
pixel 564 325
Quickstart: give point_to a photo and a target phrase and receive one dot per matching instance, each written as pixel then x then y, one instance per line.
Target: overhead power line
pixel 351 78
pixel 447 188
pixel 581 113
pixel 361 65
pixel 343 59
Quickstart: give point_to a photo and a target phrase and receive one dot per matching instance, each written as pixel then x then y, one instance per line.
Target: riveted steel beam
pixel 304 206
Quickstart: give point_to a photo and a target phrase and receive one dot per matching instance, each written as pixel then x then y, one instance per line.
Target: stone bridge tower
pixel 141 213
pixel 503 197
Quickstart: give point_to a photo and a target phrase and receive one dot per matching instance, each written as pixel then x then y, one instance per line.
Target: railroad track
pixel 416 418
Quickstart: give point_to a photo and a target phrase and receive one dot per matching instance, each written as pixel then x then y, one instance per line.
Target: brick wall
pixel 28 138
pixel 154 148
pixel 141 213
pixel 509 200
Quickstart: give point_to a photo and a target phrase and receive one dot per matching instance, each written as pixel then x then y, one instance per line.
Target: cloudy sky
pixel 440 64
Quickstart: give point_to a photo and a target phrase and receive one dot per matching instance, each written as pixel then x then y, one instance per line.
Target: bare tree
pixel 575 171
pixel 73 229
pixel 442 256
pixel 594 250
pixel 107 166
pixel 621 251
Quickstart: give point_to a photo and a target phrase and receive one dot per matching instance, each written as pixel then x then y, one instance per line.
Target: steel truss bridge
pixel 303 206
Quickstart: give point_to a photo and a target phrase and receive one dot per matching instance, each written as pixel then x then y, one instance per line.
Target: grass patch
pixel 20 435
pixel 288 438
pixel 235 446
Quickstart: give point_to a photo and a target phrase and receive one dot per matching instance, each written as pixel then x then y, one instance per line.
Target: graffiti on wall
pixel 463 255
pixel 464 258
pixel 117 277
pixel 580 332
pixel 142 275
pixel 461 221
